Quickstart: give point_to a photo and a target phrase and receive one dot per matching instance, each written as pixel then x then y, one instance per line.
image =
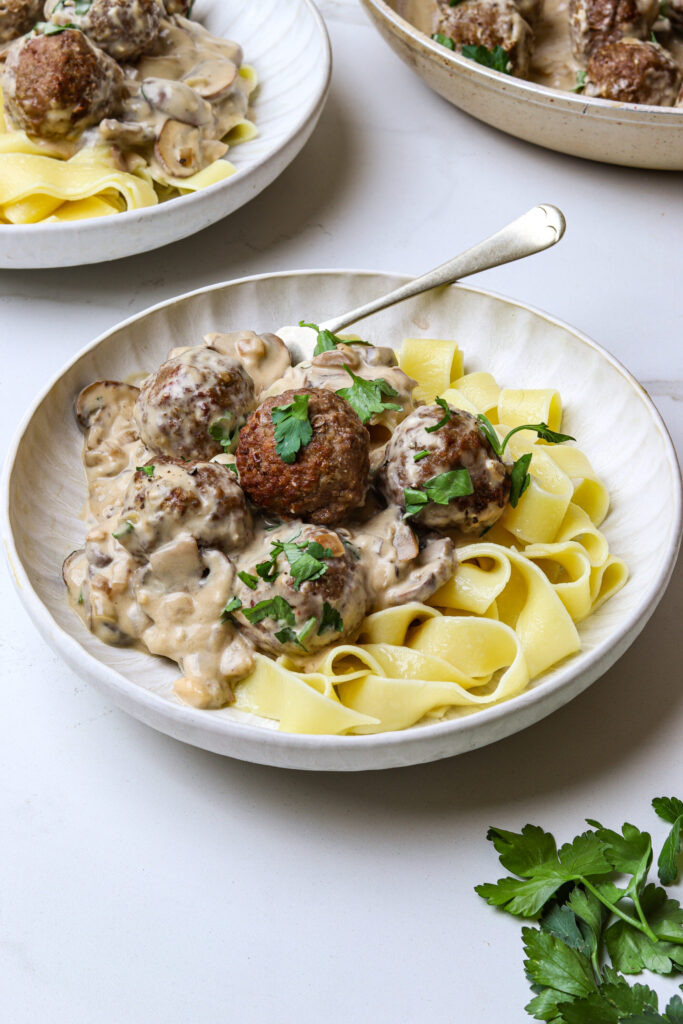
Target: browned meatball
pixel 18 17
pixel 316 591
pixel 122 28
pixel 183 7
pixel 167 497
pixel 633 72
pixel 56 86
pixel 490 23
pixel 457 444
pixel 191 402
pixel 593 23
pixel 329 475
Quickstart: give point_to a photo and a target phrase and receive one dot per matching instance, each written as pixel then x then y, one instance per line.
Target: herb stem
pixel 648 931
pixel 620 913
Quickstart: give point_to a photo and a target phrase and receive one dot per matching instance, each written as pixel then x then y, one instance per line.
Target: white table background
pixel 144 881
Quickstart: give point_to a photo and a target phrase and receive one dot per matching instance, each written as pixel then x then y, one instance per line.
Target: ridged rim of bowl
pixel 148 213
pixel 541 95
pixel 591 667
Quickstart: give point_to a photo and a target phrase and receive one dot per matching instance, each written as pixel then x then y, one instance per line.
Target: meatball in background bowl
pixel 520 346
pixel 634 135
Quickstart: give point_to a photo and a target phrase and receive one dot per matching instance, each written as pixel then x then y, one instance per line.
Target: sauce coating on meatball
pixel 18 17
pixel 167 497
pixel 328 477
pixel 56 86
pixel 632 71
pixel 421 450
pixel 592 23
pixel 122 28
pixel 309 590
pixel 192 402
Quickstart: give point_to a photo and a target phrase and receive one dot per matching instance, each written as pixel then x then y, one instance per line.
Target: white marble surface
pixel 145 881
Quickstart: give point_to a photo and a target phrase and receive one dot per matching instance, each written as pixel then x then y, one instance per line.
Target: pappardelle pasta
pixel 350 545
pixel 115 105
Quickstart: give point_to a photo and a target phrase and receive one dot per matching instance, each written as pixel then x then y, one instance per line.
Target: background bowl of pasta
pixel 287 45
pixel 521 348
pixel 631 134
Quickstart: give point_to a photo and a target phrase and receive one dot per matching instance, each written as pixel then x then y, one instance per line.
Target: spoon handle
pixel 534 231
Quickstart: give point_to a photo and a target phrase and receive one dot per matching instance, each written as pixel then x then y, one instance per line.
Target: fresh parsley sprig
pixel 291 427
pixel 367 396
pixel 580 81
pixel 147 470
pixel 306 561
pixel 327 341
pixel 441 489
pixel 583 913
pixel 497 59
pixel 446 41
pixel 444 419
pixel 224 431
pixel 519 478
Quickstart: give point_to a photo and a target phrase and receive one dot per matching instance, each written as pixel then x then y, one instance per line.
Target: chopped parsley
pixel 445 418
pixel 580 81
pixel 147 470
pixel 327 340
pixel 497 59
pixel 331 620
pixel 80 597
pixel 291 427
pixel 366 396
pixel 233 605
pixel 306 561
pixel 441 489
pixel 248 580
pixel 446 41
pixel 418 456
pixel 222 430
pixel 275 608
pixel 46 28
pixel 124 531
pixel 519 479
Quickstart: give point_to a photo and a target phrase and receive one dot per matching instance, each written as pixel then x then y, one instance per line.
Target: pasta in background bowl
pixel 498 336
pixel 286 48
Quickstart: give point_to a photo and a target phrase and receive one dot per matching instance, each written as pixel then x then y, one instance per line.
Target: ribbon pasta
pixel 41 183
pixel 508 613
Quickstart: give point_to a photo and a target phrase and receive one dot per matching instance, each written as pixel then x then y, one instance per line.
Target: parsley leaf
pixel 542 430
pixel 147 470
pixel 444 420
pixel 366 396
pixel 441 489
pixel 327 341
pixel 330 620
pixel 220 430
pixel 446 41
pixel 550 962
pixel 124 531
pixel 233 605
pixel 306 561
pixel 580 81
pixel 670 809
pixel 291 428
pixel 497 58
pixel 249 580
pixel 48 29
pixel 519 479
pixel 275 608
pixel 632 950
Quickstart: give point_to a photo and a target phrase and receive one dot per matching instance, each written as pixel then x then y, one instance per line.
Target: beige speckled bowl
pixel 634 135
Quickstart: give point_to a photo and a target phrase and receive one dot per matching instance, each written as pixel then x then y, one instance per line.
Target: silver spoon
pixel 535 231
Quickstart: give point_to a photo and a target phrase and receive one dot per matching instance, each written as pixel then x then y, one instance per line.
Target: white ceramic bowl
pixel 287 42
pixel 634 135
pixel 606 409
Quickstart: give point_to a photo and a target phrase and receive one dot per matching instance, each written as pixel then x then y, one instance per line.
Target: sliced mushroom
pixel 177 100
pixel 434 566
pixel 212 78
pixel 126 133
pixel 100 395
pixel 177 149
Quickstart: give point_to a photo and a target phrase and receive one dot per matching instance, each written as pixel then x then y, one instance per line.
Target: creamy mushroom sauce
pixel 552 61
pixel 171 602
pixel 181 99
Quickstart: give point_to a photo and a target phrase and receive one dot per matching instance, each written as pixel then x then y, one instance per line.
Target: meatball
pixel 490 23
pixel 265 357
pixel 329 474
pixel 18 17
pixel 122 28
pixel 58 85
pixel 167 497
pixel 632 71
pixel 321 582
pixel 592 23
pixel 192 402
pixel 183 7
pixel 457 444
